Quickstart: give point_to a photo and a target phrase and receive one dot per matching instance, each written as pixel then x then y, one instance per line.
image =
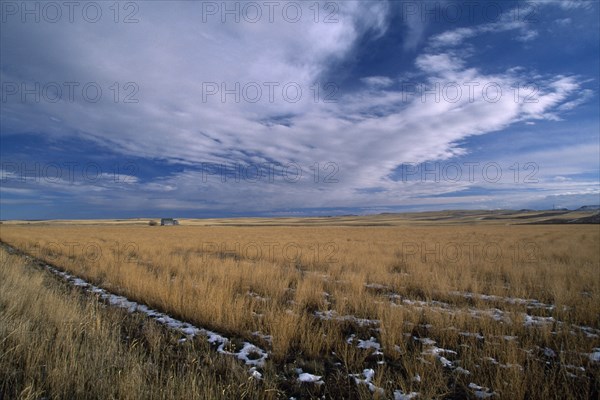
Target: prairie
pixel 359 307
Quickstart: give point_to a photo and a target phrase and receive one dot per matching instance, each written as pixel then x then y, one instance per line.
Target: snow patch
pixel 400 395
pixel 308 378
pixel 548 352
pixel 437 351
pixel 250 354
pixel 368 377
pixel 595 355
pixel 333 315
pixel 255 374
pixel 369 344
pixel 480 391
pixel 476 335
pixel 531 320
pixel 529 303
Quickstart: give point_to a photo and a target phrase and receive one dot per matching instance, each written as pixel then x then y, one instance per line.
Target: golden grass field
pixel 443 307
pixel 56 343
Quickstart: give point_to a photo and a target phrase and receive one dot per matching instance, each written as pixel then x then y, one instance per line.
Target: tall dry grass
pixel 240 280
pixel 56 343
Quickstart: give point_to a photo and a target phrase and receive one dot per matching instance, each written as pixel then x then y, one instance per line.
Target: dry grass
pixel 57 343
pixel 278 280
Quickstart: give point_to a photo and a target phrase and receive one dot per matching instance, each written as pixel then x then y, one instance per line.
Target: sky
pixel 287 108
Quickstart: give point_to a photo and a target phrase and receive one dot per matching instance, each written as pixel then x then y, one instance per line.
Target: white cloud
pixel 367 134
pixel 562 179
pixel 585 96
pixel 528 35
pixel 564 21
pixel 568 4
pixel 453 37
pixel 377 81
pixel 435 63
pixel 507 22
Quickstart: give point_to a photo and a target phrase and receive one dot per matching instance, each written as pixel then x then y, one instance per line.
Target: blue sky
pixel 214 109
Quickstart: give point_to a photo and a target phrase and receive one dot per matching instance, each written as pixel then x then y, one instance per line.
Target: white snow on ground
pixel 437 351
pixel 369 344
pixel 480 391
pixel 517 366
pixel 425 341
pixel 529 303
pixel 531 320
pixel 494 313
pixel 497 314
pixel 574 367
pixel 548 352
pixel 333 315
pixel 491 360
pixel 250 354
pixel 590 332
pixel 445 362
pixel 428 304
pixel 310 378
pixel 79 282
pixel 377 286
pixel 368 374
pixel 438 306
pixel 495 362
pixel 255 374
pixel 400 395
pixel 257 296
pixel 595 355
pixel 476 335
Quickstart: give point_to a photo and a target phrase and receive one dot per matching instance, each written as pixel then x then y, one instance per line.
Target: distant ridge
pixel 588 208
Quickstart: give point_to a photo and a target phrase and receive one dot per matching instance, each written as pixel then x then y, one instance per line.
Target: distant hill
pixel 589 219
pixel 588 208
pixel 588 214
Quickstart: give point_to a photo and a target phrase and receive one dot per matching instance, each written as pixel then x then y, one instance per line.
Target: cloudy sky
pixel 199 109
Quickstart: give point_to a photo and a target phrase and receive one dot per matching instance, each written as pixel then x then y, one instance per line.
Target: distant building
pixel 168 221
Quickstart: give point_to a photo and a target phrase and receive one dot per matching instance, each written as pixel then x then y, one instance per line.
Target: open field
pixel 446 305
pixel 433 218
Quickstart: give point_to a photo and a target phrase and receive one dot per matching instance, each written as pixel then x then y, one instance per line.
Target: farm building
pixel 168 221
